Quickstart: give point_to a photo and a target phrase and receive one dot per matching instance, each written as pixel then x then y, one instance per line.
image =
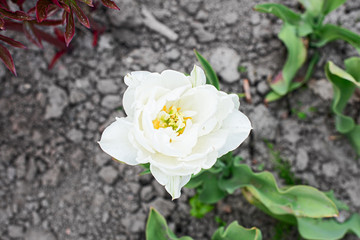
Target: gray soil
pixel 56 183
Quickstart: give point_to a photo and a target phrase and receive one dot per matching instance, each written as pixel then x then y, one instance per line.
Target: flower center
pixel 171 117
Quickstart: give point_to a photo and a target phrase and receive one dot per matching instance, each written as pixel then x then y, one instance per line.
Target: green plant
pixel 344 84
pixel 198 208
pixel 157 229
pixel 303 35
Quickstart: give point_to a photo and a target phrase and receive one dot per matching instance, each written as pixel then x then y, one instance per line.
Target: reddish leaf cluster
pixel 28 22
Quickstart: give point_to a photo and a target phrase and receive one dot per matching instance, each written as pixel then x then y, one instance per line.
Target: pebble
pixel 263 122
pixel 108 174
pixel 163 206
pixel 111 101
pixel 51 177
pixel 35 234
pixel 330 169
pixel 225 62
pixel 15 231
pixel 302 159
pixel 107 86
pixel 58 100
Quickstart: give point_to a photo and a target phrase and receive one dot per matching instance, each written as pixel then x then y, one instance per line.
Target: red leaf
pixel 65 6
pixel 2 24
pixel 50 23
pixel 110 4
pixel 56 41
pixel 88 2
pixel 11 42
pixel 42 7
pixel 70 28
pixel 28 31
pixel 7 59
pixel 55 58
pixel 56 2
pixel 4 4
pixel 31 10
pixel 80 15
pixel 18 15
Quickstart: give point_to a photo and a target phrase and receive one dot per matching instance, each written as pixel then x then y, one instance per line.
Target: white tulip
pixel 177 123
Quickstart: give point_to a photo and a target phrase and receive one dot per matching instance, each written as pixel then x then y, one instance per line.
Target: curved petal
pixel 173 184
pixel 197 76
pixel 174 79
pixel 238 126
pixel 115 142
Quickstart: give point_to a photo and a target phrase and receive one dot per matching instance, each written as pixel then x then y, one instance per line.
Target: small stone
pixel 255 19
pixel 231 18
pixel 147 193
pixel 173 54
pixel 201 34
pixel 111 101
pixel 108 174
pixel 302 159
pixel 262 87
pixel 264 124
pixel 134 222
pixel 163 206
pixel 15 231
pixel 323 88
pixel 225 61
pixel 36 234
pixel 51 177
pixel 31 170
pixel 58 100
pixel 330 169
pixel 107 86
pixel 75 135
pixel 76 96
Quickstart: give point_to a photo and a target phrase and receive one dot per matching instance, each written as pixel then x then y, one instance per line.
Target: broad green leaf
pixel 330 5
pixel 281 11
pixel 344 85
pixel 157 228
pixel 211 77
pixel 328 229
pixel 300 201
pixel 296 58
pixel 235 232
pixel 329 32
pixel 314 7
pixel 304 29
pixel 354 138
pixel 207 184
pixel 272 96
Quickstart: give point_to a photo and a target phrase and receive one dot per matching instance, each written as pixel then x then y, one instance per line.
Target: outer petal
pixel 115 142
pixel 238 126
pixel 174 79
pixel 173 184
pixel 197 76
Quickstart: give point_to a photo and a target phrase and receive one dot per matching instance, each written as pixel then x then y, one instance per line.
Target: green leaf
pixel 296 58
pixel 211 77
pixel 339 204
pixel 300 201
pixel 207 184
pixel 330 5
pixel 322 229
pixel 198 208
pixel 279 10
pixel 344 86
pixel 314 7
pixel 236 232
pixel 157 228
pixel 329 32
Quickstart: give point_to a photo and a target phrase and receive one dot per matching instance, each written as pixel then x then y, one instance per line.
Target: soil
pixel 56 183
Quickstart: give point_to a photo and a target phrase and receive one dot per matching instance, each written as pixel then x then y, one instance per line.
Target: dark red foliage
pixel 27 22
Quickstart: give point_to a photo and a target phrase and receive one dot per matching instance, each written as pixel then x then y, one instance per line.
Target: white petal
pixel 133 79
pixel 173 184
pixel 197 76
pixel 238 126
pixel 173 79
pixel 115 142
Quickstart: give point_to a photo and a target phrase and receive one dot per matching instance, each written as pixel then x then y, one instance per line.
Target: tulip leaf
pixel 339 204
pixel 329 32
pixel 331 5
pixel 198 208
pixel 314 7
pixel 211 77
pixel 344 83
pixel 281 11
pixel 328 229
pixel 234 232
pixel 157 228
pixel 299 200
pixel 296 58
